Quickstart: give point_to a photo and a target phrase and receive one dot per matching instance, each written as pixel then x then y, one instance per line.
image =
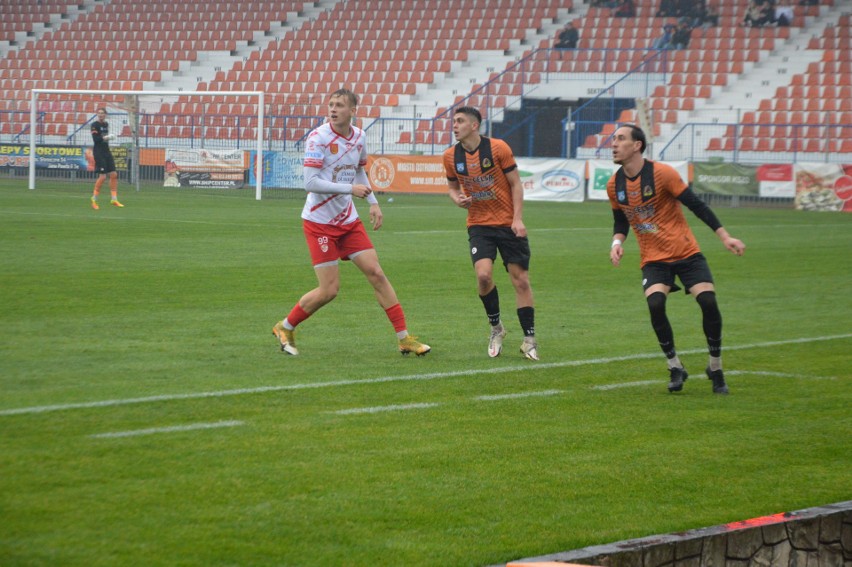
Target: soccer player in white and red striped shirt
pixel 335 156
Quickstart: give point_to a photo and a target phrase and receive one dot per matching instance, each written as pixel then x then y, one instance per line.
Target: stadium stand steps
pixel 727 59
pixel 810 111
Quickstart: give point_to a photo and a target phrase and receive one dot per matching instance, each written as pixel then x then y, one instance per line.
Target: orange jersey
pixel 655 214
pixel 481 174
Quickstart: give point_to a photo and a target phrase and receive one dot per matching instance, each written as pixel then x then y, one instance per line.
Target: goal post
pixel 186 123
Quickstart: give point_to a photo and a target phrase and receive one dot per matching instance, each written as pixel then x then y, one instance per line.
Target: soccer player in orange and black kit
pixel 104 162
pixel 648 196
pixel 483 178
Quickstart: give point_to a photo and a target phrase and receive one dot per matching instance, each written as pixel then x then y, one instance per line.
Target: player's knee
pixel 519 275
pixel 376 276
pixel 328 293
pixel 657 303
pixel 522 284
pixel 484 282
pixel 707 301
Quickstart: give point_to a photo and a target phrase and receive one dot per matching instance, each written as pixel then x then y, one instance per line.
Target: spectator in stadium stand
pixel 665 40
pixel 335 156
pixel 627 9
pixel 784 14
pixel 104 161
pixel 668 9
pixel 673 8
pixel 483 178
pixel 569 36
pixel 711 17
pixel 758 14
pixel 648 196
pixel 684 7
pixel 681 36
pixel 694 15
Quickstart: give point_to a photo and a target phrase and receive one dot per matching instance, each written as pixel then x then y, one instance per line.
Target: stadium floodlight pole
pixel 257 94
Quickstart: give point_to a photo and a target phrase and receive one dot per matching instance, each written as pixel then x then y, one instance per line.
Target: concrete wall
pixel 815 537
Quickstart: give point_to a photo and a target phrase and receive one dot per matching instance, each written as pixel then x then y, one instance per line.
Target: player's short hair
pixel 101 108
pixel 351 97
pixel 470 111
pixel 637 135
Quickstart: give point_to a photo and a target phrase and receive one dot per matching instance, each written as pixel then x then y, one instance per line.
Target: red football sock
pixel 297 315
pixel 396 317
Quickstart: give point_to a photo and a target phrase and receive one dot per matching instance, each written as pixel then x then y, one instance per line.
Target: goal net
pixel 166 140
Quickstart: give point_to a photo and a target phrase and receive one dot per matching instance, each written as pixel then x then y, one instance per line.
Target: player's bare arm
pixel 457 196
pixel 376 216
pixel 620 229
pixel 735 245
pixel 517 188
pixel 616 249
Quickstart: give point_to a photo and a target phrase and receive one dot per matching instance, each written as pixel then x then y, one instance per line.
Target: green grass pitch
pixel 147 416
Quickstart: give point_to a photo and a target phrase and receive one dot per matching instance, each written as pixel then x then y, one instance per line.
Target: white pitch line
pixel 731 373
pixel 379 409
pixel 518 395
pixel 526 367
pixel 778 374
pixel 625 385
pixel 172 429
pixel 544 393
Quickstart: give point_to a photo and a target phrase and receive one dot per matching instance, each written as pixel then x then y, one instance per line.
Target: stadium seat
pixel 778 145
pixel 747 145
pixel 721 144
pixel 814 146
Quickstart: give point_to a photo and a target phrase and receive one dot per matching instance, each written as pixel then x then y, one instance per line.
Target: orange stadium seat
pixel 778 145
pixel 747 145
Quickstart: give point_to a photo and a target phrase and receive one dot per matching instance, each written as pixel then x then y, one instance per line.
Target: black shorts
pixel 104 162
pixel 485 241
pixel 691 271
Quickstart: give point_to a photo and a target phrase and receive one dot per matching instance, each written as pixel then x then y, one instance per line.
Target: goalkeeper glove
pixel 109 137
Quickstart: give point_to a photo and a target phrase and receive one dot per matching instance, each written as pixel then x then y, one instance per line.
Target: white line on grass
pixel 602 387
pixel 544 393
pixel 778 374
pixel 172 429
pixel 731 373
pixel 625 385
pixel 378 409
pixel 518 395
pixel 383 379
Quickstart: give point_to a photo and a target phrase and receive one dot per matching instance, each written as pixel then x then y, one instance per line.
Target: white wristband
pixel 615 242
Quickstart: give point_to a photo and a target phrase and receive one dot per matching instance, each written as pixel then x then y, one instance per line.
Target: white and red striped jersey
pixel 337 160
